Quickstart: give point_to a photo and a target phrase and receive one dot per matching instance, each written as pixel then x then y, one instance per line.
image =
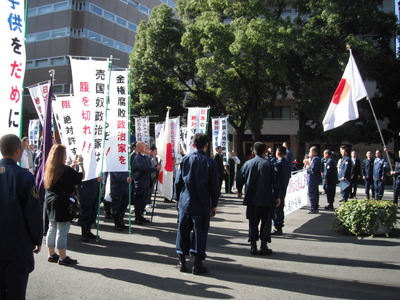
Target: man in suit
pixel 330 178
pixel 367 174
pixel 196 192
pixel 284 173
pixel 355 174
pixel 396 176
pixel 258 176
pixel 220 162
pixel 20 221
pixel 142 171
pixel 345 173
pixel 314 179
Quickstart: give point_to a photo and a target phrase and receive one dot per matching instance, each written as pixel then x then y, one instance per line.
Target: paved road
pixel 309 262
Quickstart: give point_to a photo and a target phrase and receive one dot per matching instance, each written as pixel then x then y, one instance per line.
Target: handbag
pixel 74 205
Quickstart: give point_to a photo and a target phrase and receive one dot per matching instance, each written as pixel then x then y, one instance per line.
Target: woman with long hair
pixel 59 182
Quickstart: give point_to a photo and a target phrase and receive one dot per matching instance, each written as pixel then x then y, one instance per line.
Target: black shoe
pixel 138 221
pixel 198 267
pixel 182 263
pixel 343 200
pixel 277 231
pixel 143 219
pixel 53 258
pixel 67 261
pixel 329 207
pixel 122 224
pixel 313 211
pixel 90 234
pixel 168 201
pixel 264 250
pixel 108 215
pixel 118 227
pixel 253 248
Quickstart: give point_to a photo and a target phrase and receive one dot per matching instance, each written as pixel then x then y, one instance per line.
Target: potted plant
pixel 365 217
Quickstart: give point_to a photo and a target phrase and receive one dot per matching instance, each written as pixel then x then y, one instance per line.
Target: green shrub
pixel 362 217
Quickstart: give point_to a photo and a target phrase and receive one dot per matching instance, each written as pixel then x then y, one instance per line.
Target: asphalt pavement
pixel 310 261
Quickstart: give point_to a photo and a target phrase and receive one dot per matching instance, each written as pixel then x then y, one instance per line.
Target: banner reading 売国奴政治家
pixel 90 82
pixel 12 64
pixel 296 195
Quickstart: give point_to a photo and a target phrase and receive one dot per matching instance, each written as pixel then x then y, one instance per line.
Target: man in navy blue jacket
pixel 345 173
pixel 261 197
pixel 197 191
pixel 284 169
pixel 20 221
pixel 142 170
pixel 330 178
pixel 314 179
pixel 380 170
pixel 367 170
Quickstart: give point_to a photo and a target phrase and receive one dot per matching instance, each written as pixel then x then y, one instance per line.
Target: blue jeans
pixel 57 235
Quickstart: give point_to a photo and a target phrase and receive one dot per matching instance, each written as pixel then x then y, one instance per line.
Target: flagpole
pixel 129 155
pixel 376 120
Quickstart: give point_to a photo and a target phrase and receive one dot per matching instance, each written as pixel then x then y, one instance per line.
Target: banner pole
pixel 129 155
pixel 380 133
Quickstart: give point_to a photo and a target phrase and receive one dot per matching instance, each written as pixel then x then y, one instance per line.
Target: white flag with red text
pixel 165 177
pixel 343 106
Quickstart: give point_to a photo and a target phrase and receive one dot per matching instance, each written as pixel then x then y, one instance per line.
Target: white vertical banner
pixel 183 138
pixel 12 64
pixel 33 132
pixel 64 111
pixel 220 136
pixel 90 81
pixel 158 130
pixel 174 128
pixel 117 131
pixel 39 94
pixel 142 132
pixel 196 123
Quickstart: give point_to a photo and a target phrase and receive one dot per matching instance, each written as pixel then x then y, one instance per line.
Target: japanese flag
pixel 165 178
pixel 343 106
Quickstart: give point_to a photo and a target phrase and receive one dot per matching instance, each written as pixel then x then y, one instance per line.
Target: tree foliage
pixel 239 56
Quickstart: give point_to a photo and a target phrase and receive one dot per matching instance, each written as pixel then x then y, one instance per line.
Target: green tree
pixel 323 29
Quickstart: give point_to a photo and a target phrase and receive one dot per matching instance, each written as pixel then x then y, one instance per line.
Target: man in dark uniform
pixel 330 178
pixel 314 179
pixel 380 170
pixel 89 199
pixel 220 162
pixel 197 190
pixel 284 173
pixel 261 197
pixel 367 170
pixel 142 171
pixel 345 173
pixel 396 176
pixel 21 227
pixel 355 174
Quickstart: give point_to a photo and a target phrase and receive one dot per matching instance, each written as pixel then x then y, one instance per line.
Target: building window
pixel 94 36
pixel 41 63
pixel 46 9
pixel 134 4
pixel 144 9
pixel 58 33
pixel 109 42
pixel 57 61
pixel 121 22
pixel 109 16
pixel 41 36
pixel 61 6
pixel 280 112
pixel 96 10
pixel 132 26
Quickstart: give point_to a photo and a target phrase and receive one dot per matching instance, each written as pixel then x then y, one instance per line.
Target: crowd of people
pixel 346 172
pixel 198 179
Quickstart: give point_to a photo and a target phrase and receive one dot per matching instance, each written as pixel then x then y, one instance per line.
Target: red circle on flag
pixel 341 91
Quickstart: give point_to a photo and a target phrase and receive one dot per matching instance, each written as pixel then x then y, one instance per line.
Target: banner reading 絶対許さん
pixel 117 135
pixel 12 64
pixel 297 192
pixel 196 123
pixel 90 81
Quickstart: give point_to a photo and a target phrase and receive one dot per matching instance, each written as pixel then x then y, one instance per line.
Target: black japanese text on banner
pixel 196 123
pixel 12 64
